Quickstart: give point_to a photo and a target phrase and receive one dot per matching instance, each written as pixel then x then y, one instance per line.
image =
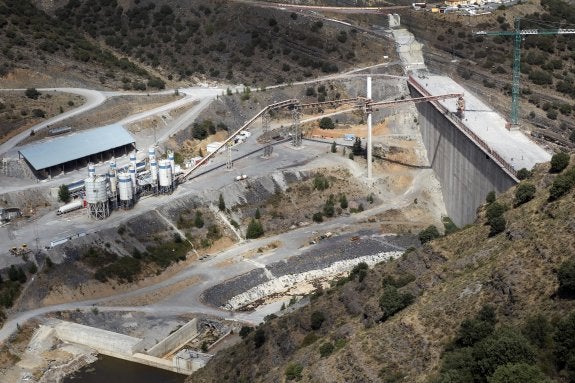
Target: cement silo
pixel 132 172
pixel 151 152
pixel 97 197
pixel 154 173
pixel 165 176
pixel 125 190
pixel 172 162
pixel 113 182
pixel 91 171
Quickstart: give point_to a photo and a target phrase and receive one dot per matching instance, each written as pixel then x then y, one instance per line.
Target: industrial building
pixel 70 152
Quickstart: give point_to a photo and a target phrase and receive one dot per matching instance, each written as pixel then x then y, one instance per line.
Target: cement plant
pixel 160 226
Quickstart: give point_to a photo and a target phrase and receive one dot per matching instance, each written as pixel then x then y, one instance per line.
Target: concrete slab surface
pixel 513 146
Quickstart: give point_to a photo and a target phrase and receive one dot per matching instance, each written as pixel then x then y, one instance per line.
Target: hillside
pixel 356 331
pixel 151 44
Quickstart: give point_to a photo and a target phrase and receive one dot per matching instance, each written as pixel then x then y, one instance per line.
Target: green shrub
pixel 562 184
pixel 538 330
pixel 359 270
pixel 428 234
pixel 448 225
pixel 498 225
pixel 316 320
pixel 198 220
pixel 494 210
pixel 32 93
pixel 38 113
pixel 559 161
pixel 317 217
pixel 259 337
pixel 490 197
pixel 343 201
pixel 392 301
pixel 518 373
pixel 293 371
pixel 326 123
pixel 309 339
pixel 472 331
pixel 326 349
pixel 566 277
pixel 255 229
pixel 397 281
pixel 503 347
pixel 320 182
pixel 524 193
pixel 523 174
pixel 329 206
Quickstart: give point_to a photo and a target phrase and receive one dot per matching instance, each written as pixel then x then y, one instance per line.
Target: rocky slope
pixel 349 333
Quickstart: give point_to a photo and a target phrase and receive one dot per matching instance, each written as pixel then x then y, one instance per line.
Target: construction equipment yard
pixel 293 171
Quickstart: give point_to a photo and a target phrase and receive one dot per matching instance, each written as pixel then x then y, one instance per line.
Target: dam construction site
pixel 164 236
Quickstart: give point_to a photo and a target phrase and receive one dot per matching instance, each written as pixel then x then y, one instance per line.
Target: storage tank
pixel 172 162
pixel 96 190
pixel 165 173
pixel 113 164
pixel 125 187
pixel 132 172
pixel 133 159
pixel 75 205
pixel 91 171
pixel 154 170
pixel 113 181
pixel 151 152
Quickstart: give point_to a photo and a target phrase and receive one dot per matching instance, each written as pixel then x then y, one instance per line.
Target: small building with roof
pixel 65 153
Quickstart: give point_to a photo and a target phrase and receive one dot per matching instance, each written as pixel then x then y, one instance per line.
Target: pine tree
pixel 199 221
pixel 255 229
pixel 64 194
pixel 357 149
pixel 257 215
pixel 222 203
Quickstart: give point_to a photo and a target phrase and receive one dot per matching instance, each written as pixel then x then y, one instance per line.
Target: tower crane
pixel 517 33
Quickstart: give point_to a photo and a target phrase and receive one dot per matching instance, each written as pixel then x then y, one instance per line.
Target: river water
pixel 107 370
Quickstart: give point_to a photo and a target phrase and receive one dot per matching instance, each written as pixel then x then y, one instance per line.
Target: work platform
pixel 490 128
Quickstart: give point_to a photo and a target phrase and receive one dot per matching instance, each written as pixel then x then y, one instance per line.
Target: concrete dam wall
pixel 464 169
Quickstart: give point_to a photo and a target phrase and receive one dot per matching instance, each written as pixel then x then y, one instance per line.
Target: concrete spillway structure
pixel 472 155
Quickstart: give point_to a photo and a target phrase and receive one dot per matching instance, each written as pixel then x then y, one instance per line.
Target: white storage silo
pixel 172 162
pixel 132 172
pixel 113 182
pixel 154 171
pixel 133 159
pixel 165 176
pixel 151 152
pixel 125 190
pixel 97 197
pixel 91 170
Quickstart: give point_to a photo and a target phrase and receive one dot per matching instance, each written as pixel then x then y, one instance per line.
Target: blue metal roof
pixel 63 149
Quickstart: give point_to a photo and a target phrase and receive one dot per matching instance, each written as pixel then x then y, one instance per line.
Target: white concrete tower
pixel 369 159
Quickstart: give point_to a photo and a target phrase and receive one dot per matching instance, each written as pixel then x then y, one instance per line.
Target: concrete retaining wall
pixel 105 342
pixel 175 340
pixel 465 171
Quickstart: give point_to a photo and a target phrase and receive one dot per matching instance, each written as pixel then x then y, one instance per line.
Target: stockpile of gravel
pixel 220 294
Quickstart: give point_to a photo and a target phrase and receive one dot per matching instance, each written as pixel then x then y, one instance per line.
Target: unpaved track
pixel 187 301
pixel 93 98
